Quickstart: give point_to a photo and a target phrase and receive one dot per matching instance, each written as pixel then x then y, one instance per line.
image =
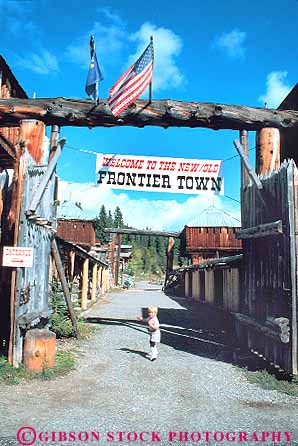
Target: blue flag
pixel 94 76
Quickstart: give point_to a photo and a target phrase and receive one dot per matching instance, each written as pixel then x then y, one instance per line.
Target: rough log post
pixel 107 280
pixel 117 263
pixel 94 283
pixel 60 269
pixel 71 264
pixel 14 215
pixel 170 255
pixel 54 140
pixel 85 278
pixel 163 113
pixel 112 245
pixel 32 133
pixel 99 279
pixel 267 150
pixel 244 142
pixel 104 281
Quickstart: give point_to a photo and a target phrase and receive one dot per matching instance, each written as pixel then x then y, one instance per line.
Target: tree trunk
pixel 162 113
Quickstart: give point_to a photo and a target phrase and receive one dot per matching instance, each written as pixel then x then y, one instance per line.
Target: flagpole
pixel 92 46
pixel 92 51
pixel 150 85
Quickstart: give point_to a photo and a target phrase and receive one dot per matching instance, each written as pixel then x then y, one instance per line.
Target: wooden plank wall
pixel 266 290
pixel 196 285
pixel 215 237
pixel 77 231
pixel 201 284
pixel 231 288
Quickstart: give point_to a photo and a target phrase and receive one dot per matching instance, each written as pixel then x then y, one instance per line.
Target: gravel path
pixel 115 388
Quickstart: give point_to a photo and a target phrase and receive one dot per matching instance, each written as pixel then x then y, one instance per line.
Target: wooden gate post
pixel 32 133
pixel 267 150
pixel 244 142
pixel 293 218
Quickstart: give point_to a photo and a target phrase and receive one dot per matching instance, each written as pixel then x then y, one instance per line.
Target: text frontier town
pixel 148 180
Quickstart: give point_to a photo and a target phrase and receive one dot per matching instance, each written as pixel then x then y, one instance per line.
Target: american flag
pixel 133 82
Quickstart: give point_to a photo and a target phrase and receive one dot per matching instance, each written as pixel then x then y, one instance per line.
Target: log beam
pixel 141 232
pixel 162 113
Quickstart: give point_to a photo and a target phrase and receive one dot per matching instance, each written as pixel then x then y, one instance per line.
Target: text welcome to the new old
pixel 175 175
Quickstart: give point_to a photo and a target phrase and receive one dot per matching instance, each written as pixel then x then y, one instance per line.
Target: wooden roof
pixel 7 153
pixel 288 137
pixel 290 102
pixel 17 90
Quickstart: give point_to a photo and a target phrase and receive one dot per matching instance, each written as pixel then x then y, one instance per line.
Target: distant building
pixel 125 255
pixel 212 236
pixel 75 226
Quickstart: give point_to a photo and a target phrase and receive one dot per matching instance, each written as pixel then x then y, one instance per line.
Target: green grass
pixel 65 360
pixel 268 381
pixel 64 363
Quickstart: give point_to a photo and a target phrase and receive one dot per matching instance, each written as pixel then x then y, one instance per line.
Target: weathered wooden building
pixel 74 226
pixel 21 147
pixel 81 259
pixel 9 154
pixel 264 278
pixel 213 236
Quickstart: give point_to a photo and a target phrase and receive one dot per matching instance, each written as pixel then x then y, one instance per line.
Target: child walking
pixel 153 327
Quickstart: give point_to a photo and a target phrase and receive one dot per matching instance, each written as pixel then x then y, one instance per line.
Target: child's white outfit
pixel 154 338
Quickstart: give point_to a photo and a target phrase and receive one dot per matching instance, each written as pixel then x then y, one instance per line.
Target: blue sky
pixel 207 51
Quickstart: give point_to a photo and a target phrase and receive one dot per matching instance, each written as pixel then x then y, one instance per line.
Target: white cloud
pixel 42 63
pixel 109 40
pixel 232 43
pixel 112 39
pixel 277 89
pixel 142 213
pixel 15 17
pixel 167 46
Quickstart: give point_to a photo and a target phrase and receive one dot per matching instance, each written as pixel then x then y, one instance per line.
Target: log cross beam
pixel 162 113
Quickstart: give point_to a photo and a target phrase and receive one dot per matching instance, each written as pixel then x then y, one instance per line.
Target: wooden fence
pixel 260 290
pixel 215 282
pixel 267 320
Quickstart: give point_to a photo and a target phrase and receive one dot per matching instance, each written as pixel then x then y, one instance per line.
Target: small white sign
pixel 16 256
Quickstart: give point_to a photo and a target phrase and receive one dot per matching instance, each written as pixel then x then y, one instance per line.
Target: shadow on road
pixel 136 352
pixel 197 329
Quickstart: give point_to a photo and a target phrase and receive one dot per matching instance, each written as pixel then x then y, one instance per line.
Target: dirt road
pixel 189 391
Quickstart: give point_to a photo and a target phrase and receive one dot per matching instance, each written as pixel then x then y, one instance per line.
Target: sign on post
pixel 156 174
pixel 16 256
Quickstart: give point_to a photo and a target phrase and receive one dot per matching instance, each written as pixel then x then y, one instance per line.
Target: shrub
pixel 60 322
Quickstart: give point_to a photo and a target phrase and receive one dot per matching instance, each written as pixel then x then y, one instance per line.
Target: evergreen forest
pixel 148 252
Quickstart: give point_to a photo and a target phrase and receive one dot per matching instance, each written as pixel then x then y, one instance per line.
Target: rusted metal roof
pixel 214 217
pixel 71 211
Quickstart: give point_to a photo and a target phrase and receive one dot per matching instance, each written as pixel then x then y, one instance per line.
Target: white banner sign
pixel 155 174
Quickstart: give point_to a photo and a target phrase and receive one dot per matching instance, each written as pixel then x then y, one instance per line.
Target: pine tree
pixel 110 220
pixel 101 224
pixel 118 218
